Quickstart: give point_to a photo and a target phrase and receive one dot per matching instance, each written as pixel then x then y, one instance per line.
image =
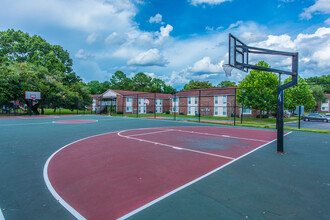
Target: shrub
pixel 262 116
pixel 167 112
pixel 119 113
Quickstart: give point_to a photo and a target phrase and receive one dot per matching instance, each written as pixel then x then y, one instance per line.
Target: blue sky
pixel 175 40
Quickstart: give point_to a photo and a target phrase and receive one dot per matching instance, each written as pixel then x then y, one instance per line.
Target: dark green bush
pixel 262 116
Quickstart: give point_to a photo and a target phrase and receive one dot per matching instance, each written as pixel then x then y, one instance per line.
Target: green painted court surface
pixel 261 185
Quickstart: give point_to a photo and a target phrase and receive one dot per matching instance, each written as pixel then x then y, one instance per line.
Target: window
pixel 327 101
pixel 216 110
pixel 128 109
pixel 142 109
pixel 128 99
pixel 216 98
pixel 224 111
pixel 160 101
pixel 189 110
pixel 156 101
pixel 175 99
pixel 175 109
pixel 139 101
pixel 324 109
pixel 247 111
pixel 196 98
pixel 189 100
pixel 224 99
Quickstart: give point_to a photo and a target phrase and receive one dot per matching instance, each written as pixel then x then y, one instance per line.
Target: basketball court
pixel 98 167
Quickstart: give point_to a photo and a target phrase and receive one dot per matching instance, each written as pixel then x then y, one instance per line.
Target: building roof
pixel 141 94
pixel 207 92
pixel 96 96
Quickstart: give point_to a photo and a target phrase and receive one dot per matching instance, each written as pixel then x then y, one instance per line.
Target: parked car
pixel 286 114
pixel 327 114
pixel 315 117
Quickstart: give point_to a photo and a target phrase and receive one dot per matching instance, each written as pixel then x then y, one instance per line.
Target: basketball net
pixel 228 69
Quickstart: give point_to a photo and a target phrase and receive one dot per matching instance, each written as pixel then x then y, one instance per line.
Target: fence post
pixel 122 107
pixel 199 106
pixel 299 116
pixel 155 106
pixel 235 107
pixel 175 106
pixel 137 103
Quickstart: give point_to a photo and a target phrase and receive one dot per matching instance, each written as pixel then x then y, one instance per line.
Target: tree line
pixel 139 82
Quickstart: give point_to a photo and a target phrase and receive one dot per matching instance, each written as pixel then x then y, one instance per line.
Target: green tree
pixel 141 82
pixel 16 46
pixel 226 83
pixel 169 89
pixel 318 93
pixel 119 80
pixel 260 89
pixel 95 87
pixel 196 84
pixel 323 80
pixel 30 63
pixel 300 94
pixel 157 85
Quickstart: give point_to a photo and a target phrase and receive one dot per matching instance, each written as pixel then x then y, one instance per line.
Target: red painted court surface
pixel 36 117
pixel 74 121
pixel 109 176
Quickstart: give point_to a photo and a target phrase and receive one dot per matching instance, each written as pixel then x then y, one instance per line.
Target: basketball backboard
pixel 238 54
pixel 32 95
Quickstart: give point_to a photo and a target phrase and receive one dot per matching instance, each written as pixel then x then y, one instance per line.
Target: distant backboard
pixel 238 54
pixel 32 95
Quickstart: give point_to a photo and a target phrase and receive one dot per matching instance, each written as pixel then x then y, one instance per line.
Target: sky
pixel 175 40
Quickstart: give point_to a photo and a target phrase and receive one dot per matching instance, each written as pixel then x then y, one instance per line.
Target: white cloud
pixel 116 39
pixel 238 23
pixel 82 55
pixel 93 37
pixel 85 15
pixel 327 21
pixel 164 33
pixel 206 66
pixel 151 57
pixel 210 2
pixel 156 19
pixel 320 6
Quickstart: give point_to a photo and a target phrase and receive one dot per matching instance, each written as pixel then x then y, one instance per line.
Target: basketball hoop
pixel 228 69
pixel 147 102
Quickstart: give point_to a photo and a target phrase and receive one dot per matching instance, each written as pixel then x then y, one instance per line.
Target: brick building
pixel 211 101
pixel 133 101
pixel 206 102
pixel 325 107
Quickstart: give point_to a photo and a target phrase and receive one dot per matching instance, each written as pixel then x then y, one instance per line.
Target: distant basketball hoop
pixel 147 102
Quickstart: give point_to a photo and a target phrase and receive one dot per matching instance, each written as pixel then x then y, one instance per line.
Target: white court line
pixel 174 147
pixel 190 183
pixel 221 135
pixel 155 132
pixel 1 215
